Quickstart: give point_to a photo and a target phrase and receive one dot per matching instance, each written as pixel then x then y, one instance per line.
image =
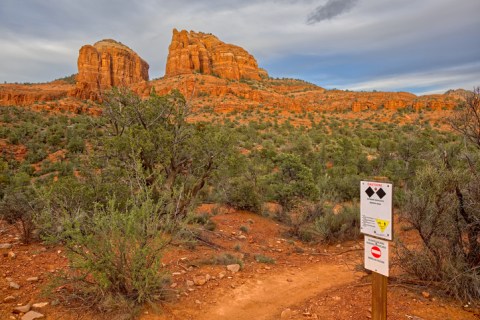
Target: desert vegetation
pixel 116 190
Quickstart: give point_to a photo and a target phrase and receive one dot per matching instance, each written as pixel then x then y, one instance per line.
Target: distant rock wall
pixel 192 52
pixel 107 64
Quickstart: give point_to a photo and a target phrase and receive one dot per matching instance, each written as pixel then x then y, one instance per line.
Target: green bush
pixel 260 258
pixel 120 249
pixel 341 226
pixel 442 207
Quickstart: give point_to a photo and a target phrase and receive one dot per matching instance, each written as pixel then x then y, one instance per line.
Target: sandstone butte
pixel 211 74
pixel 197 52
pixel 107 64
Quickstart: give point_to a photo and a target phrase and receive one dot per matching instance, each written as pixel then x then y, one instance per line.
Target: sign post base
pixel 379 296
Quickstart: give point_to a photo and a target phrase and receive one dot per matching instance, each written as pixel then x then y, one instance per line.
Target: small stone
pixel 287 313
pixel 12 255
pixel 14 285
pixel 32 315
pixel 208 277
pixel 242 237
pixel 55 302
pixel 425 294
pixel 233 267
pixel 199 280
pixel 39 305
pixel 190 283
pixel 173 285
pixel 198 302
pixel 5 245
pixel 176 274
pixel 221 275
pixel 289 280
pixel 9 299
pixel 32 279
pixel 336 298
pixel 9 279
pixel 22 309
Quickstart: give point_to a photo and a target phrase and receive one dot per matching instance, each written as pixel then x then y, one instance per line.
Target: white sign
pixel 376 209
pixel 376 255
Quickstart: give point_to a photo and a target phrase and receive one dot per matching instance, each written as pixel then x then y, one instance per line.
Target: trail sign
pixel 376 255
pixel 376 209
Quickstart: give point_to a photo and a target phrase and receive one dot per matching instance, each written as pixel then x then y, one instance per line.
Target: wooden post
pixel 379 296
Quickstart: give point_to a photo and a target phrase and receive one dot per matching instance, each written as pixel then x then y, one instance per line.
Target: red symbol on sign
pixel 376 252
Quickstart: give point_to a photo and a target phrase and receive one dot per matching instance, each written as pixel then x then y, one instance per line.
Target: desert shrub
pixel 341 226
pixel 75 144
pixel 19 205
pixel 222 259
pixel 242 194
pixel 116 251
pixel 260 258
pixel 292 181
pixel 203 220
pixel 442 207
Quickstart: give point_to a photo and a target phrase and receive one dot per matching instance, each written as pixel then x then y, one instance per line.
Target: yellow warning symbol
pixel 382 224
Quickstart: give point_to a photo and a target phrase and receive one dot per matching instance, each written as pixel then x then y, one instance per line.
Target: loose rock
pixel 12 255
pixel 199 280
pixel 32 315
pixel 233 268
pixel 5 245
pixel 287 313
pixel 22 309
pixel 9 299
pixel 14 285
pixel 32 279
pixel 39 305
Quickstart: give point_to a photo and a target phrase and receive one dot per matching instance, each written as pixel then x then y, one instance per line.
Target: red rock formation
pixel 27 94
pixel 107 64
pixel 192 52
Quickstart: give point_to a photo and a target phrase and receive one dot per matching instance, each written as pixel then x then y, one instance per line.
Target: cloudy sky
pixel 421 46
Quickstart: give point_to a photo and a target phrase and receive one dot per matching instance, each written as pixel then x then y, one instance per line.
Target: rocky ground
pixel 280 278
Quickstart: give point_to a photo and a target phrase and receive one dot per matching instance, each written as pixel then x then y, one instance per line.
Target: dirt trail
pixel 266 297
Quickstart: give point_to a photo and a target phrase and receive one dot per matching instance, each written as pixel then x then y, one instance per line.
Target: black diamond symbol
pixel 369 192
pixel 381 193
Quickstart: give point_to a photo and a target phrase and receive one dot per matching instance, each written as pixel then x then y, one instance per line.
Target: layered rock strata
pixel 197 52
pixel 107 64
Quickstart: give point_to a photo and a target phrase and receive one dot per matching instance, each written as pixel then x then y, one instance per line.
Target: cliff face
pixel 192 52
pixel 107 64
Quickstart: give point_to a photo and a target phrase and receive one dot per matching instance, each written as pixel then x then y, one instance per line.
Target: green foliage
pixel 222 259
pixel 260 258
pixel 75 145
pixel 292 181
pixel 340 226
pixel 442 206
pixel 120 248
pixel 19 204
pixel 178 158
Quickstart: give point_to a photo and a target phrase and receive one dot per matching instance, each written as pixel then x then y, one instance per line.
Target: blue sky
pixel 420 46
